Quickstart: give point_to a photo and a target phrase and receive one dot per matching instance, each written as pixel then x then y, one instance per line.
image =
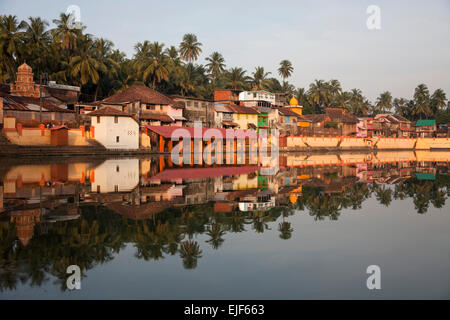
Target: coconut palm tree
pixel 152 63
pixel 319 93
pixel 422 101
pixel 37 40
pixel 190 47
pixel 384 102
pixel 10 41
pixel 84 66
pixel 259 79
pixel 401 107
pixel 438 101
pixel 285 70
pixel 104 55
pixel 236 78
pixel 64 35
pixel 215 65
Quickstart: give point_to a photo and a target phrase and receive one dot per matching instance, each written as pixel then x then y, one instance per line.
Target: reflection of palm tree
pixel 215 232
pixel 285 230
pixel 384 195
pixel 190 252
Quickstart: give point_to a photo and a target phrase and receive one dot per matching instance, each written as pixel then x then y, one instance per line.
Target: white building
pixel 114 129
pixel 257 96
pixel 116 175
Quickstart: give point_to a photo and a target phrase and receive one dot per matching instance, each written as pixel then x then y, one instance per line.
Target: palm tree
pixel 438 101
pixel 401 107
pixel 152 63
pixel 215 65
pixel 37 40
pixel 84 65
pixel 334 88
pixel 190 47
pixel 319 93
pixel 104 55
pixel 10 41
pixel 285 70
pixel 384 101
pixel 259 79
pixel 422 101
pixel 237 79
pixel 64 35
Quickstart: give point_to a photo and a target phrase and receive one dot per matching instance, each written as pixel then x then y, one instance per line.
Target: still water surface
pixel 305 227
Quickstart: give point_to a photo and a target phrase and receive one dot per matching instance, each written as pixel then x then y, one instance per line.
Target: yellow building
pixel 245 117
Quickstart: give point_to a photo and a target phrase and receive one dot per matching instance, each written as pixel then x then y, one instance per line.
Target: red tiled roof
pixel 143 94
pixel 288 112
pixel 156 116
pixel 201 173
pixel 242 109
pixel 316 117
pixel 175 131
pixel 108 111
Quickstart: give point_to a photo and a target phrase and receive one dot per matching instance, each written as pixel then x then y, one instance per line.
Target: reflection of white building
pixel 115 129
pixel 261 201
pixel 117 175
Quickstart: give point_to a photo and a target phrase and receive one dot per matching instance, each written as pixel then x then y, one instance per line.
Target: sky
pixel 324 39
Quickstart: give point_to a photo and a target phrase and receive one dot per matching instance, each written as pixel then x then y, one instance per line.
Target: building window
pixel 117 139
pixel 98 119
pixel 116 119
pixel 116 188
pixel 188 103
pixel 196 104
pixel 98 188
pixel 117 169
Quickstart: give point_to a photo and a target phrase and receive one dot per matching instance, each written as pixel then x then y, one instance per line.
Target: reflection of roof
pixel 192 132
pixel 143 94
pixel 425 176
pixel 200 173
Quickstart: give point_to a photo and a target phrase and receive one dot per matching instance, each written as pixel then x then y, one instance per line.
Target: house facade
pixel 147 105
pixel 196 109
pixel 426 128
pixel 114 129
pixel 260 98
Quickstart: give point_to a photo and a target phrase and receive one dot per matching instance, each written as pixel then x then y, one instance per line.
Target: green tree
pixel 215 65
pixel 190 47
pixel 384 102
pixel 285 69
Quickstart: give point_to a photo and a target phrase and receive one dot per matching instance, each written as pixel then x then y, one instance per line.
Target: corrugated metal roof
pixel 425 123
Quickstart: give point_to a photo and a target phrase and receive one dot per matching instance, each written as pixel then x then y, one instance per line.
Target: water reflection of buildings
pixel 40 194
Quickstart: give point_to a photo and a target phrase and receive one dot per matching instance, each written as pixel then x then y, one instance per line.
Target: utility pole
pixel 42 77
